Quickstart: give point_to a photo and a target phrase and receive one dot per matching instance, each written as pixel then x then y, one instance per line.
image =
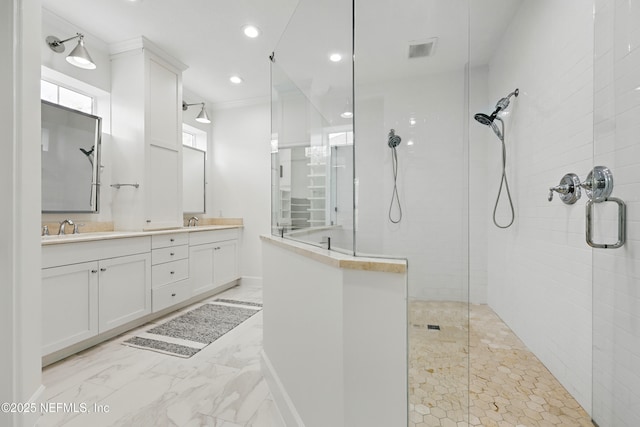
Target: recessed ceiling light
pixel 335 57
pixel 235 80
pixel 251 31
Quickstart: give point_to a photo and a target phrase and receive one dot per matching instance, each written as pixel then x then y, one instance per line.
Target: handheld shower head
pixel 394 140
pixel 496 129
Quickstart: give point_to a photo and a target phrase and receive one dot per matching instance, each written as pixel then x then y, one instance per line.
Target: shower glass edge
pixel 311 137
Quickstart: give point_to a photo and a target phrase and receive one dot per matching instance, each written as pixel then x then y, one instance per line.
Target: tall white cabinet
pixel 146 96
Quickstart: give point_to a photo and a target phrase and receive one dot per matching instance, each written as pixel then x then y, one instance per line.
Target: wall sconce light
pixel 78 56
pixel 202 117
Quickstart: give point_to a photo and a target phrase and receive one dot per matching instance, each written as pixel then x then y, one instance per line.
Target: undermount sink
pixel 80 236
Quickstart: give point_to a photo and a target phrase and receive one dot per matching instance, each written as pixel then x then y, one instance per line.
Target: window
pixel 194 137
pixel 341 138
pixel 188 139
pixel 64 96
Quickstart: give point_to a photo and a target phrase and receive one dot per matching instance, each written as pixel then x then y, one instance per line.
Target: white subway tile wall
pixel 432 180
pixel 616 280
pixel 539 270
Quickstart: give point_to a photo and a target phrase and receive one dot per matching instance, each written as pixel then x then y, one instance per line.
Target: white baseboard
pixel 280 396
pixel 252 281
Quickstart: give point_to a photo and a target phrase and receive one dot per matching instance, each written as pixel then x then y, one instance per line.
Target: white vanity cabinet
pixel 91 287
pixel 146 127
pixel 124 290
pixel 213 259
pixel 69 305
pixel 170 270
pixel 94 288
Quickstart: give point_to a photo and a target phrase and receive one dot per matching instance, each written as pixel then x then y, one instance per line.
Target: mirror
pixel 193 180
pixel 70 159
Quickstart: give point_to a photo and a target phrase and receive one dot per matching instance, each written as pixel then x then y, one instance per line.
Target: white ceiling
pixel 207 36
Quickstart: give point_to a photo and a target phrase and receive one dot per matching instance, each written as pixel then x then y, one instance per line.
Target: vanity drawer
pixel 211 236
pixel 158 256
pixel 170 294
pixel 168 272
pixel 168 240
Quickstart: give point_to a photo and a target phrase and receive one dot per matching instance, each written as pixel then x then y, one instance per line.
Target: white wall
pixel 241 171
pixel 540 268
pixel 330 366
pixel 616 290
pixel 432 179
pixel 20 319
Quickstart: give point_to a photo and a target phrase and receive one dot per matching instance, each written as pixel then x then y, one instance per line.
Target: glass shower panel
pixel 616 272
pixel 411 105
pixel 312 127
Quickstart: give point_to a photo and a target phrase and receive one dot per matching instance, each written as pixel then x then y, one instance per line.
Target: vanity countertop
pixel 106 235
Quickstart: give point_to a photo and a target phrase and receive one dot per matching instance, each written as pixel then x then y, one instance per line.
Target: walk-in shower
pixel 555 300
pixel 490 120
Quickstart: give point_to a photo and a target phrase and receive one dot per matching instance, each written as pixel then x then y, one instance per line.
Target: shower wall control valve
pixel 568 189
pixel 598 184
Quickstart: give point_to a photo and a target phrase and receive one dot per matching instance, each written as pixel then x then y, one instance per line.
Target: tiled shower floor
pixel 505 384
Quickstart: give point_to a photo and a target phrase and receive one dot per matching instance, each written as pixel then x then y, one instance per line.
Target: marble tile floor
pixel 485 378
pixel 221 386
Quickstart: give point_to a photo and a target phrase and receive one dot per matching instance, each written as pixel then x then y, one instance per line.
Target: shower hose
pixel 394 196
pixel 505 183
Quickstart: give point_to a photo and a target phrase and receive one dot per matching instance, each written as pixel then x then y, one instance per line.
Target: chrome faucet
pixel 62 224
pixel 193 221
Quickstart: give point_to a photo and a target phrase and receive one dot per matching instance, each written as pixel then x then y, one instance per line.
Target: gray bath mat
pixel 186 335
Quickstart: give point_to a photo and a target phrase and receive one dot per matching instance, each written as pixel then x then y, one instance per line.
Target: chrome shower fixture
pixel 486 120
pixel 78 56
pixel 394 140
pixel 202 116
pixel 501 105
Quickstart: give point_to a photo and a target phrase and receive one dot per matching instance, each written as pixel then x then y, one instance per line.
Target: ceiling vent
pixel 422 48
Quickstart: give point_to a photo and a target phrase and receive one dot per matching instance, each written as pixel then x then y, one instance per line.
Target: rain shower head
pixel 490 121
pixel 484 119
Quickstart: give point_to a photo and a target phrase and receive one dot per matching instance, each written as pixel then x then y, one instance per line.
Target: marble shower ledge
pixel 106 235
pixel 337 259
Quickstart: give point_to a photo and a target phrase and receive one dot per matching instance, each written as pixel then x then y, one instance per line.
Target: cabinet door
pixel 125 290
pixel 201 267
pixel 69 305
pixel 164 196
pixel 164 115
pixel 225 262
